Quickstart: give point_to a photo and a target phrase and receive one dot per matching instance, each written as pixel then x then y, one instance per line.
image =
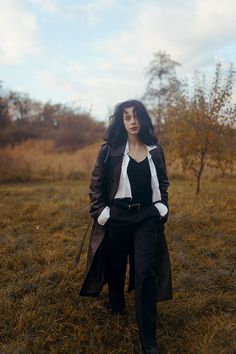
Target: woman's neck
pixel 134 140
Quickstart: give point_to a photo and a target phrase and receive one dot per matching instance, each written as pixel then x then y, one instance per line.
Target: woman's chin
pixel 134 132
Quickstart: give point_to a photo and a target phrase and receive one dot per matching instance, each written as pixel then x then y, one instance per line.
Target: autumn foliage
pixel 22 118
pixel 196 124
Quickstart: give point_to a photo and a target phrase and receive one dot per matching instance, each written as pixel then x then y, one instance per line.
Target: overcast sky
pixel 94 52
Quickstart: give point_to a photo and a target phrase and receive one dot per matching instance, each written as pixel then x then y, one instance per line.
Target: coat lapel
pixel 116 160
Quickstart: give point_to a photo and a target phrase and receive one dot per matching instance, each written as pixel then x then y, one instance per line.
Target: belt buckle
pixel 134 206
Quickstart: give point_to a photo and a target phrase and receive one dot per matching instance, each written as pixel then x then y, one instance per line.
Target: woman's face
pixel 131 121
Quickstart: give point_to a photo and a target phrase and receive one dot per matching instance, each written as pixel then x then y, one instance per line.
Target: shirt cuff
pixel 104 216
pixel 162 208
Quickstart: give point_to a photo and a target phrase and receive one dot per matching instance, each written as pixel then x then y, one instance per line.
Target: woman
pixel 129 204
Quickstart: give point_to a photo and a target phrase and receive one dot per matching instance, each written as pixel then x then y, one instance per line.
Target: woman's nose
pixel 133 120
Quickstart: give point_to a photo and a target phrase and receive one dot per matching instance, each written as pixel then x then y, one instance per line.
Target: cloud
pixel 88 87
pixel 93 10
pixel 18 32
pixel 62 87
pixel 190 31
pixel 88 12
pixel 48 6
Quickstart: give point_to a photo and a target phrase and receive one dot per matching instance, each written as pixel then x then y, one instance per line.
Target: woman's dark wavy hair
pixel 116 133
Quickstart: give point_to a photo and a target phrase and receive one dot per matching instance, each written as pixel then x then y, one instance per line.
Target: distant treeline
pixel 22 118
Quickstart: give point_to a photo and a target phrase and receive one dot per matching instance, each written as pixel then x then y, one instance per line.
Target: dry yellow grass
pixel 40 310
pixel 37 160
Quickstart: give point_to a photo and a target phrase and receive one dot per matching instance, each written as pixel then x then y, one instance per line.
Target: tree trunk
pixel 198 183
pixel 202 164
pixel 199 175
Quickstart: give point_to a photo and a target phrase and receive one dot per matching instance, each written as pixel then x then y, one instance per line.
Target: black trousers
pixel 134 233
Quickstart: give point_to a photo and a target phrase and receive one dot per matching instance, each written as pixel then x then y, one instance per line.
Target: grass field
pixel 40 310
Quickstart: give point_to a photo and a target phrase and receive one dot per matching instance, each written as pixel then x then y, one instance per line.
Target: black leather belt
pixel 134 207
pixel 131 207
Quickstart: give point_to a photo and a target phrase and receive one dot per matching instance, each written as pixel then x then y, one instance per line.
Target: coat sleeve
pixel 96 188
pixel 163 177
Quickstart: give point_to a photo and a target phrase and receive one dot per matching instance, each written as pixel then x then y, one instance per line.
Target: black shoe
pixel 117 305
pixel 118 310
pixel 150 350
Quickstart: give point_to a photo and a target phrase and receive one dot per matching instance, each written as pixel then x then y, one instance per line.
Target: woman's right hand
pixel 104 216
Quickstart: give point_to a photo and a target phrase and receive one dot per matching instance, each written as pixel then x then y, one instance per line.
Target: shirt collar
pixel 149 148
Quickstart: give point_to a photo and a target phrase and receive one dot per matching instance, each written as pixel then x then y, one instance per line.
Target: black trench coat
pixel 103 187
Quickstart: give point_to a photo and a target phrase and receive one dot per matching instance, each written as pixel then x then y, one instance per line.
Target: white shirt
pixel 124 188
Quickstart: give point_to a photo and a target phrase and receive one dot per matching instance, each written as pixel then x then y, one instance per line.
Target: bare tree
pixel 5 119
pixel 162 80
